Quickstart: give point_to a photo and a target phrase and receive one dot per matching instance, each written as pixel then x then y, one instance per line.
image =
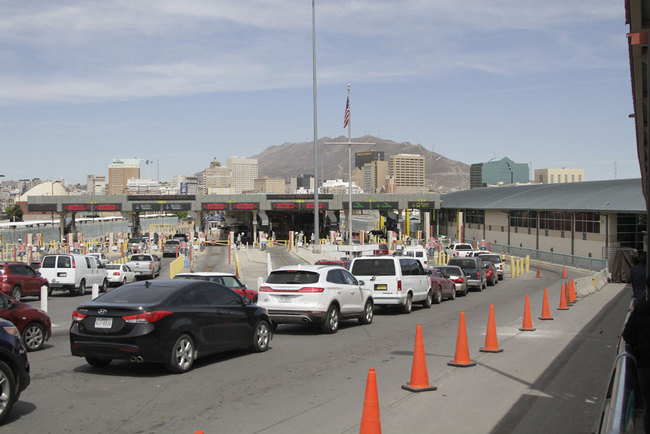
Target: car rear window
pixel 140 258
pixel 297 277
pixel 463 247
pixel 138 293
pixel 492 258
pixel 113 266
pixel 373 267
pixel 463 263
pixel 169 242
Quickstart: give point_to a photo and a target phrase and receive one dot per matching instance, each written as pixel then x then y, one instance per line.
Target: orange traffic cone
pixel 564 272
pixel 567 293
pixel 546 312
pixel 563 305
pixel 491 343
pixel 527 325
pixel 419 376
pixel 538 275
pixel 370 421
pixel 572 291
pixel 461 359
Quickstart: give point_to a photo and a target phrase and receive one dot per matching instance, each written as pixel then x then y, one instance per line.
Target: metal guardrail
pixel 618 413
pixel 592 264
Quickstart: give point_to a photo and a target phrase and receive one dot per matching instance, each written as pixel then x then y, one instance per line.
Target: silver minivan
pixel 394 280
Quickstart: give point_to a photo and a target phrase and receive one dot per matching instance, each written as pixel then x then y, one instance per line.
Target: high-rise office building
pixel 503 171
pixel 216 178
pixel 119 173
pixel 362 158
pixel 407 170
pixel 374 176
pixel 244 173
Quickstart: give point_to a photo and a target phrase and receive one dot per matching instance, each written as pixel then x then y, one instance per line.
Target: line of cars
pixel 330 291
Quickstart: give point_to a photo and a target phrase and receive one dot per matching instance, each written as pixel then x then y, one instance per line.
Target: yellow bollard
pixel 527 263
pixel 512 267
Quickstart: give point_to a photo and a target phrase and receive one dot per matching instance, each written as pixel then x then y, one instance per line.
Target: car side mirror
pixel 361 282
pixel 429 272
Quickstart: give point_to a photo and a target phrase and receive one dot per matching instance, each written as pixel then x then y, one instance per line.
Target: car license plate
pixel 103 323
pixel 381 287
pixel 284 299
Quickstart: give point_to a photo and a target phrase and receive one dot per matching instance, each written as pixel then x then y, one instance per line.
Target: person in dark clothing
pixel 637 334
pixel 638 278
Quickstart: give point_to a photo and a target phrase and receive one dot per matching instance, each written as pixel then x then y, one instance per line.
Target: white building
pixel 244 174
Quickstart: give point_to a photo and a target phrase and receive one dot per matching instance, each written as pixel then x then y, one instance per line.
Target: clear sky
pixel 180 82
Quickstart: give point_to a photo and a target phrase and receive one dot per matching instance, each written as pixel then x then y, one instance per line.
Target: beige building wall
pixel 119 173
pixel 244 173
pixel 374 176
pixel 269 185
pixel 559 176
pixel 217 177
pixel 408 172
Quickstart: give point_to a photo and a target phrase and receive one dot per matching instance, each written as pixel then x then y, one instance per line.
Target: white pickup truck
pixel 144 265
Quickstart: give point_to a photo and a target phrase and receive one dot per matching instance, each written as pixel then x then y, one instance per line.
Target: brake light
pixel 73 263
pixel 311 289
pixel 265 289
pixel 399 285
pixel 150 266
pixel 116 273
pixel 458 280
pixel 78 316
pixel 478 274
pixel 147 317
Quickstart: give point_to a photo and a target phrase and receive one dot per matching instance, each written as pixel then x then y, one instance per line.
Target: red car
pixel 19 279
pixel 382 250
pixel 34 325
pixel 443 288
pixel 345 263
pixel 491 272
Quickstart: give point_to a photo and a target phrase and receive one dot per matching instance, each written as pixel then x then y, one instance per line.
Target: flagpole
pixel 349 170
pixel 316 207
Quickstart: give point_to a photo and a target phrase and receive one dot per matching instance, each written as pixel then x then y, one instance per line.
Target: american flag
pixel 346 119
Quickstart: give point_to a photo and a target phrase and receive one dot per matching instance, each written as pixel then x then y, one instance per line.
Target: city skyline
pixel 181 83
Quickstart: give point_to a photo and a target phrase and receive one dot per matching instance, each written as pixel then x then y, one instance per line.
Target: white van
pixel 419 253
pixel 74 273
pixel 394 280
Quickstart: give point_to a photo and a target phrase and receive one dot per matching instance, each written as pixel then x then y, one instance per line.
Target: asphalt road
pixel 313 382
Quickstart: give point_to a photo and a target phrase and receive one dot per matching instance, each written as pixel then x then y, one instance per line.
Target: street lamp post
pixel 316 206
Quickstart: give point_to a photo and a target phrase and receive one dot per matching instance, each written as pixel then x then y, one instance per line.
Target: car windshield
pixel 172 242
pixel 492 258
pixel 297 277
pixel 373 267
pixel 463 263
pixel 448 270
pixel 140 258
pixel 137 294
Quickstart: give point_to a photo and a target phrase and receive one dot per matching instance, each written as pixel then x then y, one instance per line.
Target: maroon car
pixel 34 325
pixel 19 279
pixel 491 272
pixel 443 288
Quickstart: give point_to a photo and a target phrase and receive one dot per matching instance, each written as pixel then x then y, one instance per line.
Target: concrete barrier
pixel 590 284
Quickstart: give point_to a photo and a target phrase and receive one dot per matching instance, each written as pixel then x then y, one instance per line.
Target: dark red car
pixel 19 279
pixel 34 325
pixel 345 263
pixel 491 272
pixel 443 288
pixel 382 250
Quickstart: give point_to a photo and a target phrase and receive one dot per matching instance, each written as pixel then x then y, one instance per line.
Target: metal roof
pixel 620 195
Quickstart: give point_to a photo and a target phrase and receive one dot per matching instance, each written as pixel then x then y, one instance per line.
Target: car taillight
pixel 265 289
pixel 399 285
pixel 5 277
pixel 478 274
pixel 78 316
pixel 146 317
pixel 73 264
pixel 458 280
pixel 116 273
pixel 150 266
pixel 311 289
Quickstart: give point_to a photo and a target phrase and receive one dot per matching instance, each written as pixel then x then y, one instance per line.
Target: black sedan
pixel 14 367
pixel 168 321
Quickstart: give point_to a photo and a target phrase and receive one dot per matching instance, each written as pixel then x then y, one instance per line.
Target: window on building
pixel 588 222
pixel 523 219
pixel 552 179
pixel 566 178
pixel 541 178
pixel 475 216
pixel 555 220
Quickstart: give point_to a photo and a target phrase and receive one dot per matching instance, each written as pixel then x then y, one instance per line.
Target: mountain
pixel 291 159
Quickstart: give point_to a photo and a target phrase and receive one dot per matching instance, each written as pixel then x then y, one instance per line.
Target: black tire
pixel 331 323
pixel 368 313
pixel 104 286
pixel 408 305
pixel 453 293
pixel 16 293
pixel 98 363
pixel 33 336
pixel 437 298
pixel 49 291
pixel 261 337
pixel 124 281
pixel 7 390
pixel 181 356
pixel 429 300
pixel 82 288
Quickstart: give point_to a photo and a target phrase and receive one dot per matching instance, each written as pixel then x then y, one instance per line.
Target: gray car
pixel 456 275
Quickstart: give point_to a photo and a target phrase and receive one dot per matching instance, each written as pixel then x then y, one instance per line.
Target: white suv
pixel 394 280
pixel 315 294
